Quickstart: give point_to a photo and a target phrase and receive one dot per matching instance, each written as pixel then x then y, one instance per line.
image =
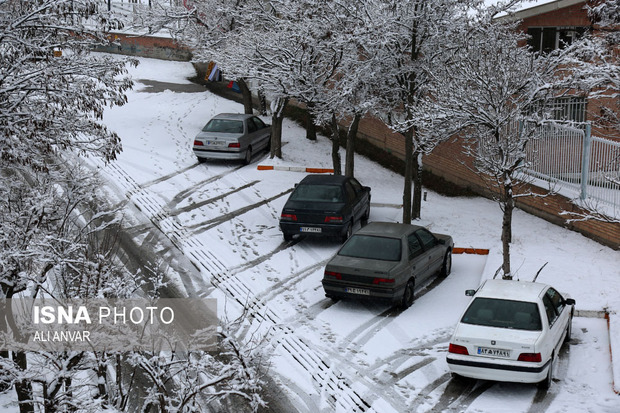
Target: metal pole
pixel 585 161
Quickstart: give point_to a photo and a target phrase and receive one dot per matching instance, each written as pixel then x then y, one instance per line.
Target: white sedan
pixel 511 331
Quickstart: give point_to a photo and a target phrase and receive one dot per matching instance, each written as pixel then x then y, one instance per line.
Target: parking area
pixel 340 355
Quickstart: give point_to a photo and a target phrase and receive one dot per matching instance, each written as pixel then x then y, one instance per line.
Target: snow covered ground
pixel 346 356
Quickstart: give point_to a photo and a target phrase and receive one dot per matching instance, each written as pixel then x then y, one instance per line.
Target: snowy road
pixel 344 356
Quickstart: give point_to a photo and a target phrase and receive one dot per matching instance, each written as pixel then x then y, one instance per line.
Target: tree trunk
pixel 23 388
pixel 408 174
pixel 349 166
pixel 416 206
pixel 508 207
pixel 310 125
pixel 336 146
pixel 277 116
pixel 247 96
pixel 262 102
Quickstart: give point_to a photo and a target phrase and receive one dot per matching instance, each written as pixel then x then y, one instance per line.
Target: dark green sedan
pixel 385 261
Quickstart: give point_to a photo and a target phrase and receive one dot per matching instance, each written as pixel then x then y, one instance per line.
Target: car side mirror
pixel 440 241
pixel 470 293
pixel 570 301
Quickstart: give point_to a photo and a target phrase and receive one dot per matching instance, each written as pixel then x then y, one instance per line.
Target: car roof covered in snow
pixel 512 290
pixel 388 229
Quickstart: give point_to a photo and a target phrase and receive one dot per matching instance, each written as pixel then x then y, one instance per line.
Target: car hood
pixel 475 335
pixel 360 266
pixel 221 135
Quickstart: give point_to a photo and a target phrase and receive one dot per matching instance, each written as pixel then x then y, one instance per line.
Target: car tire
pixel 288 237
pixel 446 267
pixel 248 156
pixel 348 232
pixel 201 160
pixel 569 329
pixel 408 295
pixel 546 383
pixel 459 379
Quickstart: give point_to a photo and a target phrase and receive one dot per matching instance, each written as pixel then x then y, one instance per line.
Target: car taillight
pixel 456 349
pixel 533 357
pixel 383 280
pixel 198 143
pixel 288 217
pixel 234 145
pixel 337 219
pixel 333 274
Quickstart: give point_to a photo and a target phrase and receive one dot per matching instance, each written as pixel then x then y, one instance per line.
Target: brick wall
pixel 146 46
pixel 574 15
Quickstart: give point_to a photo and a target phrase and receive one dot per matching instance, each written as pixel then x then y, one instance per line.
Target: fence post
pixel 585 161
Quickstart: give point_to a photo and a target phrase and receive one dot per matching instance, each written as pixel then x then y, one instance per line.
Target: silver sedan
pixel 232 136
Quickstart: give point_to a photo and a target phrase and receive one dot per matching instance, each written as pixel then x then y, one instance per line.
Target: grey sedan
pixel 232 136
pixel 385 261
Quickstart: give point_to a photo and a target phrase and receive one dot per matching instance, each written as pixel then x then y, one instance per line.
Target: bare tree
pixel 52 90
pixel 417 39
pixel 499 96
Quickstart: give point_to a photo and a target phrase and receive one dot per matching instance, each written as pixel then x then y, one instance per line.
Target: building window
pixel 546 39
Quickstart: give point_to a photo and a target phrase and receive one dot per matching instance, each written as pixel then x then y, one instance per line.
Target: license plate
pixel 310 229
pixel 493 352
pixel 215 143
pixel 357 291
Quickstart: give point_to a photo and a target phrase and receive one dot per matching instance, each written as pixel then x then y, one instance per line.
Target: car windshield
pixel 224 126
pixel 372 247
pixel 494 312
pixel 317 193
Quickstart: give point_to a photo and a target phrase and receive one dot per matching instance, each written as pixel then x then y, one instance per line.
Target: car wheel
pixel 569 329
pixel 408 295
pixel 546 383
pixel 459 379
pixel 248 156
pixel 201 160
pixel 288 237
pixel 446 268
pixel 348 232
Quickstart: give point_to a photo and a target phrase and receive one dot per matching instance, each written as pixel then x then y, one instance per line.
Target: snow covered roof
pixel 533 8
pixel 536 7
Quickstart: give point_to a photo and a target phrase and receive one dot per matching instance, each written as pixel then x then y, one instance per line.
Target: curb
pixel 615 377
pixel 477 251
pixel 615 370
pixel 295 169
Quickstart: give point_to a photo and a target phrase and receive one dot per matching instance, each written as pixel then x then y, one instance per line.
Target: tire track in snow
pixel 211 223
pixel 329 381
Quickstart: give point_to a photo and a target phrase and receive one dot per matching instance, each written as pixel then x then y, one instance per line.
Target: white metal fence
pixel 573 160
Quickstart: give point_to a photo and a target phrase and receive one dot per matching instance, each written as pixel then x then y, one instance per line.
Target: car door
pixel 252 134
pixel 433 251
pixel 352 201
pixel 562 311
pixel 361 198
pixel 556 328
pixel 416 258
pixel 263 134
